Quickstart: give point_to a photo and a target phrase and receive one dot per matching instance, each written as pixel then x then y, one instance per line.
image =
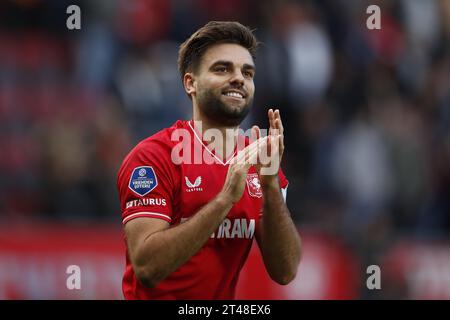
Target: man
pixel 189 226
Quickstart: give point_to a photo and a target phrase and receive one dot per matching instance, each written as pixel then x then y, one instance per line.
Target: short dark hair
pixel 214 32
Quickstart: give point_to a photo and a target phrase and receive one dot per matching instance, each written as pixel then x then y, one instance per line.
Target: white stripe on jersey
pixel 148 214
pixel 207 149
pixel 284 193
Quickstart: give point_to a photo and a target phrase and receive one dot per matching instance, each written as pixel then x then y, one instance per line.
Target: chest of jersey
pixel 200 184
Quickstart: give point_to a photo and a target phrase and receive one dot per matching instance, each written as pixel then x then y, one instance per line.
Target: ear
pixel 189 83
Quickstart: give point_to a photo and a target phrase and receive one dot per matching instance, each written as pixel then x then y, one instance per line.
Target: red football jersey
pixel 152 185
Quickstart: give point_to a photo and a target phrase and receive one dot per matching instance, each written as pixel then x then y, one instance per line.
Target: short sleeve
pixel 283 183
pixel 283 180
pixel 283 186
pixel 145 183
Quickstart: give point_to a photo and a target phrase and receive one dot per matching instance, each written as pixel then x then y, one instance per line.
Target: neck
pixel 227 134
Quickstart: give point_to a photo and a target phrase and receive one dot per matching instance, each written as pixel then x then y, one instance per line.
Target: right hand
pixel 235 181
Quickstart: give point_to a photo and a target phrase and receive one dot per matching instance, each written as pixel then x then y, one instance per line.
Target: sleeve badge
pixel 143 180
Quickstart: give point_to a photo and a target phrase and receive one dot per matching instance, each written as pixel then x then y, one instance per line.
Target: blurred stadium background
pixel 367 118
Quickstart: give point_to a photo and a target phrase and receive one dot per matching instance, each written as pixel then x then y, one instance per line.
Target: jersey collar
pixel 199 139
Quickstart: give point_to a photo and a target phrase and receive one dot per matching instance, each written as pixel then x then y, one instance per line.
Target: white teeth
pixel 234 94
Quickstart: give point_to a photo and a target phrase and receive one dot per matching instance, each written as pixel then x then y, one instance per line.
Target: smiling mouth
pixel 234 94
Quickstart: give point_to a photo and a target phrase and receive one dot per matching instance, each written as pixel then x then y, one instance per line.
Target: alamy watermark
pixel 374 20
pixel 73 281
pixel 374 280
pixel 191 149
pixel 73 21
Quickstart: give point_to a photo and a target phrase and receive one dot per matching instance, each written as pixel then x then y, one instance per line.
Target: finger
pixel 255 134
pixel 281 144
pixel 241 156
pixel 275 129
pixel 278 127
pixel 260 143
pixel 270 114
pixel 271 121
pixel 279 123
pixel 276 117
pixel 276 143
pixel 274 146
pixel 253 154
pixel 251 158
pixel 258 132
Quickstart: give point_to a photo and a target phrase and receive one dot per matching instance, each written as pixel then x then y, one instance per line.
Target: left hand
pixel 275 148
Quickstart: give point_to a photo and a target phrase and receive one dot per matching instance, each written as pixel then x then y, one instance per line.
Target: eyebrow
pixel 227 63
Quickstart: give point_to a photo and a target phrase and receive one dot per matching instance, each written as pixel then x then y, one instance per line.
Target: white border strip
pixel 126 219
pixel 284 193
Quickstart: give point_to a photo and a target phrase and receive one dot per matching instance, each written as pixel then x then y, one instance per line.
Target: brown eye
pixel 248 74
pixel 221 69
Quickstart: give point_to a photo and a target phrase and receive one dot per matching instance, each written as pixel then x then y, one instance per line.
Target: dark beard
pixel 216 110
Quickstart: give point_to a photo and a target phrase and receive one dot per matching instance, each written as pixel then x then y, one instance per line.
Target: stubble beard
pixel 212 106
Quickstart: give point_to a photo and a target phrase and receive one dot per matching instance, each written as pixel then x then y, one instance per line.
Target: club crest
pixel 253 185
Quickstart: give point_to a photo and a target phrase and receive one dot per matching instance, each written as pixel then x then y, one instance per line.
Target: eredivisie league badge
pixel 143 180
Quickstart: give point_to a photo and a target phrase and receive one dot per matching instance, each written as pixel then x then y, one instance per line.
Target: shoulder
pixel 154 150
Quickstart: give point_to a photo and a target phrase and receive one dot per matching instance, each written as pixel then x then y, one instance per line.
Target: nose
pixel 237 78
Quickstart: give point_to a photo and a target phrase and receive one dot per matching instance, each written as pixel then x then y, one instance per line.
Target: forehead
pixel 232 52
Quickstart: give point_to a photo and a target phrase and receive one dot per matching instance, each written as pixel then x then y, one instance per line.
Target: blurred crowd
pixel 366 112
